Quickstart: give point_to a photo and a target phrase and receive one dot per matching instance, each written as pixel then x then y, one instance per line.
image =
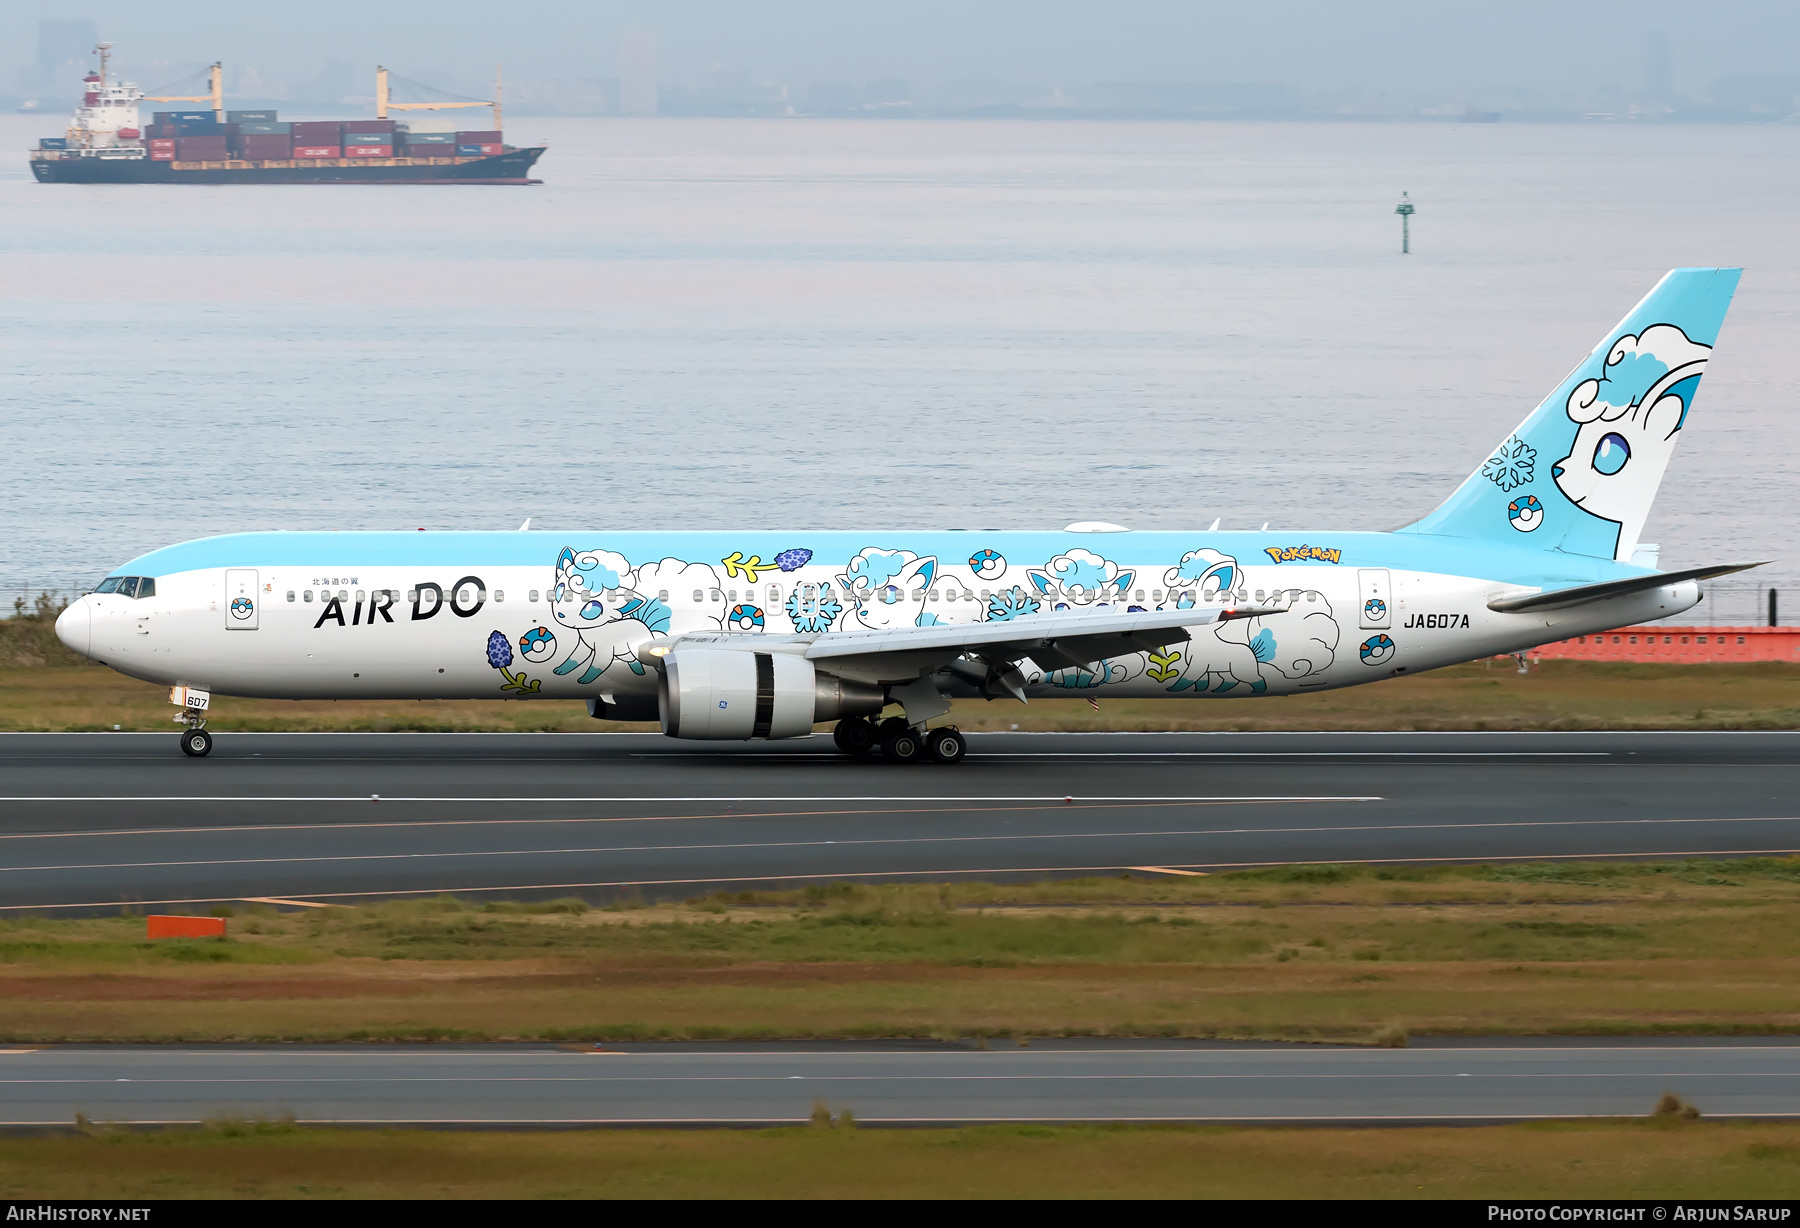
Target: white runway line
pixel 366 800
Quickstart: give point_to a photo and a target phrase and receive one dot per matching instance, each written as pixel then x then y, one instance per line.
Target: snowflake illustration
pixel 1013 603
pixel 499 650
pixel 814 614
pixel 1511 466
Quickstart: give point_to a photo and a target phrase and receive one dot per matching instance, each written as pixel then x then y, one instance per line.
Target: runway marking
pixel 1169 870
pixel 269 899
pixel 334 858
pixel 365 798
pixel 1150 754
pixel 924 1077
pixel 853 874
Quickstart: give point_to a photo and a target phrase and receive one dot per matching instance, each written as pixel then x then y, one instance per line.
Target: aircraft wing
pixel 1584 594
pixel 1065 639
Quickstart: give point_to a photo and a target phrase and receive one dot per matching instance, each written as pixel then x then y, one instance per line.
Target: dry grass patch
pixel 1333 952
pixel 1663 1158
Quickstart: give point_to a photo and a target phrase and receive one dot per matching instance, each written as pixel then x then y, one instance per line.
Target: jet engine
pixel 733 694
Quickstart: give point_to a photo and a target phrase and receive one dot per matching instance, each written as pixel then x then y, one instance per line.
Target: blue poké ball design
pixel 987 564
pixel 1374 608
pixel 745 618
pixel 1525 513
pixel 537 644
pixel 1377 649
pixel 242 607
pixel 793 560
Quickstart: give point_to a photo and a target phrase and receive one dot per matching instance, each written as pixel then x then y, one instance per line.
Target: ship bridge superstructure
pixel 106 123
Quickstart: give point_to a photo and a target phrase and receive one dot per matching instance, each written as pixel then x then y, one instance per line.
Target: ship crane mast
pixel 216 95
pixel 384 104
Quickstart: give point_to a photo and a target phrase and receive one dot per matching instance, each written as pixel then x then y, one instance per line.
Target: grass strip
pixel 1591 1159
pixel 1296 952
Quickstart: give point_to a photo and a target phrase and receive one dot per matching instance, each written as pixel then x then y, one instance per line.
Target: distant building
pixel 64 51
pixel 637 73
pixel 887 92
pixel 828 97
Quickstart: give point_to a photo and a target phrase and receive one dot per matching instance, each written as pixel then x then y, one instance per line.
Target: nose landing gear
pixel 196 742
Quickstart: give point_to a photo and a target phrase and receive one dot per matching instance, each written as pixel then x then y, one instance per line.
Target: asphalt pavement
pixel 896 1084
pixel 98 820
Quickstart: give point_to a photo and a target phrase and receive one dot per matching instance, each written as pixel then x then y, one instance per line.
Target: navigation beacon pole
pixel 1405 210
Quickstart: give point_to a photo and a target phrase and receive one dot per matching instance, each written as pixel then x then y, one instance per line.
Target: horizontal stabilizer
pixel 1586 594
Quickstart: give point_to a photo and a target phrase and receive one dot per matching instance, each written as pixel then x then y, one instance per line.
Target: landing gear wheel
pixel 196 743
pixel 946 745
pixel 902 745
pixel 854 736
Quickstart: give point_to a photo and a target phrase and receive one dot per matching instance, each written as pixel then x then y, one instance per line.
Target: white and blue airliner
pixel 745 633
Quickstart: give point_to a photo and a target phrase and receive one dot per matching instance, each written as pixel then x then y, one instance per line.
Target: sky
pixel 1312 44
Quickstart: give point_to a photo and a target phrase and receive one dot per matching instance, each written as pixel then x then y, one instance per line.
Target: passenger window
pixel 290 595
pixel 412 595
pixel 306 596
pixel 716 596
pixel 499 596
pixel 533 595
pixel 343 594
pixel 1140 595
pixel 1156 594
pixel 360 597
pixel 146 587
pixel 699 596
pixel 110 584
pixel 663 596
pixel 127 586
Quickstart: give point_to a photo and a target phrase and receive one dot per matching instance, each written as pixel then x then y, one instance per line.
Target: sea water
pixel 877 325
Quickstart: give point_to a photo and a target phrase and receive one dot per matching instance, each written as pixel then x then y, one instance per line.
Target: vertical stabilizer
pixel 1580 473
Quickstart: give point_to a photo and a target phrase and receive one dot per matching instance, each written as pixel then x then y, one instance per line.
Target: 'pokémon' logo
pixel 1291 554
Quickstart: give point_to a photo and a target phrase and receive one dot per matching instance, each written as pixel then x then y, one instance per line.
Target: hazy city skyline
pixel 1535 60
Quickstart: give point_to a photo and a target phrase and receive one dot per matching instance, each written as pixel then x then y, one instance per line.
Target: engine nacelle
pixel 734 694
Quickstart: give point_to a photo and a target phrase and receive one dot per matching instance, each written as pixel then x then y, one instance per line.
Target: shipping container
pixel 250 117
pixel 177 117
pixel 478 138
pixel 201 148
pixel 262 127
pixel 316 151
pixel 162 155
pixel 370 125
pixel 262 148
pixel 430 138
pixel 368 151
pixel 368 138
pixel 325 132
pixel 162 142
pixel 479 151
pixel 53 142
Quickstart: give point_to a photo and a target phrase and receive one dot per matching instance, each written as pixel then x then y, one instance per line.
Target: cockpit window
pixel 146 587
pixel 109 584
pixel 127 586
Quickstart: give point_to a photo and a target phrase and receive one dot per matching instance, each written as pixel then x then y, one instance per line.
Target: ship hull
pixel 512 167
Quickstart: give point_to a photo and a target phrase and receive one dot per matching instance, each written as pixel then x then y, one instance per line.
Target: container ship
pixel 105 143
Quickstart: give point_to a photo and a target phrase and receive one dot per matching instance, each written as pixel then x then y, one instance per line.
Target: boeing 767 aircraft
pixel 739 634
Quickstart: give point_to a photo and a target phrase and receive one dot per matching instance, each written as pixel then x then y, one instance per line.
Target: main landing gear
pixel 899 742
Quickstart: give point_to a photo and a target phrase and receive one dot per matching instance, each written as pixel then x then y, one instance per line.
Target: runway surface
pixel 98 820
pixel 898 1084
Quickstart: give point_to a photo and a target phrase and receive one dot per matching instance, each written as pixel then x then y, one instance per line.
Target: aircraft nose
pixel 74 626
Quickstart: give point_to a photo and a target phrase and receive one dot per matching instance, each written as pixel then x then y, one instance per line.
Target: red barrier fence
pixel 1678 645
pixel 183 927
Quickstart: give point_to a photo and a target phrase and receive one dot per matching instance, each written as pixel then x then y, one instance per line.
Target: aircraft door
pixel 241 599
pixel 1376 594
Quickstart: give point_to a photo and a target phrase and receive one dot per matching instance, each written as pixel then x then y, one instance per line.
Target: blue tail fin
pixel 1581 472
